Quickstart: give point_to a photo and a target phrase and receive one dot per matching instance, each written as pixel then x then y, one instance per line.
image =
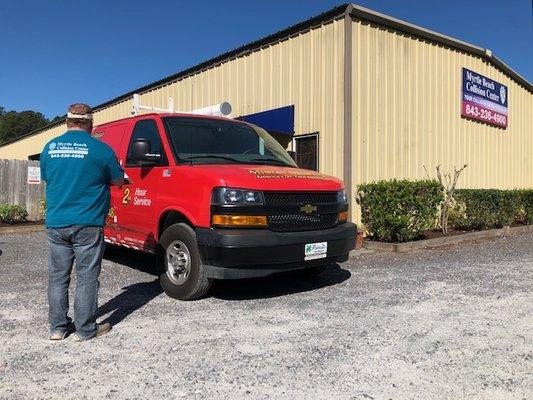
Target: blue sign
pixel 484 99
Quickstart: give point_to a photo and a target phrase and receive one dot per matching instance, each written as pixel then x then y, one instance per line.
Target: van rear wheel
pixel 183 276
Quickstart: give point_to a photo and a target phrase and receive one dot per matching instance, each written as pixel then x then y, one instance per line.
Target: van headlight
pixel 238 197
pixel 341 196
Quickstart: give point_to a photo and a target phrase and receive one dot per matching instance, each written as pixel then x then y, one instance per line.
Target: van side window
pixel 146 129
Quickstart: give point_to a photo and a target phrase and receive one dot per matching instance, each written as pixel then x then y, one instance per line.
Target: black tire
pixel 196 284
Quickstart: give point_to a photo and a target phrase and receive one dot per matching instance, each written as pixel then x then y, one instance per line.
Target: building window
pixel 306 148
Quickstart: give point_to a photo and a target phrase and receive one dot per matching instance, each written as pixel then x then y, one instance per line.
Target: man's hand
pixel 122 181
pixel 119 182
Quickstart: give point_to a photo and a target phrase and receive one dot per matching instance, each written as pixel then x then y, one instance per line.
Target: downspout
pixel 347 167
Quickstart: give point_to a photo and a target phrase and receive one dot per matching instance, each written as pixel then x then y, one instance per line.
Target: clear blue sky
pixel 59 52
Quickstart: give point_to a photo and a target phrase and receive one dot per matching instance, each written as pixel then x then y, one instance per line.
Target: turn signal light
pixel 343 216
pixel 240 220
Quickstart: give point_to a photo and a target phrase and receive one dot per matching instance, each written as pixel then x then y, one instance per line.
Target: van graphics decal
pixel 276 174
pixel 111 212
pixel 112 219
pixel 67 150
pixel 126 198
pixel 141 198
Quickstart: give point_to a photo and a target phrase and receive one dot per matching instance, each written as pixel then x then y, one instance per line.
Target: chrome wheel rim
pixel 178 263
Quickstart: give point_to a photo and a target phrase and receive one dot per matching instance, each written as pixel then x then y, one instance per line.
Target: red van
pixel 217 198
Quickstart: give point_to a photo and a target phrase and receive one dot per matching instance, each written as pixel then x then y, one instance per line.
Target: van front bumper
pixel 247 253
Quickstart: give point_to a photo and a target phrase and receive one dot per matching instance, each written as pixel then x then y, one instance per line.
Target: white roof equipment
pixel 221 109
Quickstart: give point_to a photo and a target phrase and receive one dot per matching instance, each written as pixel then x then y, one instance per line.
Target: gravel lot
pixel 448 323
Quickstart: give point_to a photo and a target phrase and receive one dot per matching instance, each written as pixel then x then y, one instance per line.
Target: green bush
pixel 525 215
pixel 476 209
pixel 12 214
pixel 399 210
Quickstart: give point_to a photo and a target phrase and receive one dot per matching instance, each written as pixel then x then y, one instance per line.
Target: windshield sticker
pixel 277 174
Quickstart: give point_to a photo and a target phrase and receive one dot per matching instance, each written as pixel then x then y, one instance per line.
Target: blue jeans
pixel 85 245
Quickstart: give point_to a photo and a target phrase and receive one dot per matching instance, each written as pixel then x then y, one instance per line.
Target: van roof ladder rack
pixel 220 109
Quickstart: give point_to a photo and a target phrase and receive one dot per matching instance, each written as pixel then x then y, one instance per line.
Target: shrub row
pixel 12 214
pixel 476 209
pixel 399 210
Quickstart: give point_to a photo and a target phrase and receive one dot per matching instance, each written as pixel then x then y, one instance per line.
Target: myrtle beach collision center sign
pixel 484 99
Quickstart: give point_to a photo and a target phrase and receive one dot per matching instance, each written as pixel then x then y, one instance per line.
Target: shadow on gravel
pixel 277 285
pixel 130 300
pixel 138 260
pixel 134 296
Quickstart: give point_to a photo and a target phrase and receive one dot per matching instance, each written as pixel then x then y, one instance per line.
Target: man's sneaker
pixel 101 329
pixel 62 335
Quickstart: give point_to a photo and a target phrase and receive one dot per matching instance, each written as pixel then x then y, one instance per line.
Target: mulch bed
pixel 437 234
pixel 432 234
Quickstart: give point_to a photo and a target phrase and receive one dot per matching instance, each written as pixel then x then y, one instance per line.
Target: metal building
pixel 358 95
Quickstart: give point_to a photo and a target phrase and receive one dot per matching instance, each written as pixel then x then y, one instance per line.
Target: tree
pixel 14 124
pixel 447 183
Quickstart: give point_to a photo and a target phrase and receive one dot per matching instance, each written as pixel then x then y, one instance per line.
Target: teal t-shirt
pixel 78 169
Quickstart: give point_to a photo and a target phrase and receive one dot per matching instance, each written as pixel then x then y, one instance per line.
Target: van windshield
pixel 211 141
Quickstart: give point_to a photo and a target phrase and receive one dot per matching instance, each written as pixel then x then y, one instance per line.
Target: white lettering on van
pixel 140 198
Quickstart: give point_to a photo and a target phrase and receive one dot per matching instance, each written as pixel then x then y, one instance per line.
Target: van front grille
pixel 299 198
pixel 301 222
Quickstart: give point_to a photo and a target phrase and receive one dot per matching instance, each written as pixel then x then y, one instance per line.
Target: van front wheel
pixel 183 276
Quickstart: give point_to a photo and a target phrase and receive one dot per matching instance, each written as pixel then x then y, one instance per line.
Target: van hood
pixel 267 177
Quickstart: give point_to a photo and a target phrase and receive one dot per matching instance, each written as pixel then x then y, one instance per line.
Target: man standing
pixel 78 170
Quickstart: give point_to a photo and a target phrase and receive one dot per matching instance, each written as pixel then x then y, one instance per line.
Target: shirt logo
pixel 68 150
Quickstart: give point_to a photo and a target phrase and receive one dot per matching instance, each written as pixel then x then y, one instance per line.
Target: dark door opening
pixel 306 148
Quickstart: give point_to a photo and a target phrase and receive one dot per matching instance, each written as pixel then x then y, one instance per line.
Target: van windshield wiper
pixel 210 156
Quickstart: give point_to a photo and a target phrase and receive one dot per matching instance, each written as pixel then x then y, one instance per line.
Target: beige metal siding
pixel 406 114
pixel 305 70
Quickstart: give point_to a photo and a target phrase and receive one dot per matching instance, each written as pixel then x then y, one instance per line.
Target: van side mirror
pixel 141 152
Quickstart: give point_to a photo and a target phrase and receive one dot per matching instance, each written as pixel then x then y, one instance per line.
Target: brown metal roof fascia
pixel 294 30
pixel 415 30
pixel 509 71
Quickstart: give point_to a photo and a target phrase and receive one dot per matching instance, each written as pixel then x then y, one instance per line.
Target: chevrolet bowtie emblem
pixel 308 209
